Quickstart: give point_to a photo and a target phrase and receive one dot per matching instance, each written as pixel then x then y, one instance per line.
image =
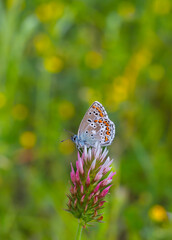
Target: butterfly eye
pixel 73 138
pixel 90 113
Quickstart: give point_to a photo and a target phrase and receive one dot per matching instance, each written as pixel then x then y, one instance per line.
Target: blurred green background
pixel 56 58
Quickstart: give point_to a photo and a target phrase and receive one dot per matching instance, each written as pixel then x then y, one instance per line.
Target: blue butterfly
pixel 95 127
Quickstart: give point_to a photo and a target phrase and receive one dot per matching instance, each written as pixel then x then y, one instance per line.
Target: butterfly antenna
pixel 69 137
pixel 65 139
pixel 69 132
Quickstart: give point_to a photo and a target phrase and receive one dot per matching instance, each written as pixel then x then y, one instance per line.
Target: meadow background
pixel 56 58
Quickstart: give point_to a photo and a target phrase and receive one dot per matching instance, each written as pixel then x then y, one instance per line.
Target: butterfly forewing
pixel 96 126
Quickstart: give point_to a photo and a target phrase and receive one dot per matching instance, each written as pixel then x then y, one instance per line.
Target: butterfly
pixel 95 127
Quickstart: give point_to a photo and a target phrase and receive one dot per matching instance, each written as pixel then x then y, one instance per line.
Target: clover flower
pixel 90 183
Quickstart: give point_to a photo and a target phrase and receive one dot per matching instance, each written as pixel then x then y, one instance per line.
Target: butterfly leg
pixel 79 149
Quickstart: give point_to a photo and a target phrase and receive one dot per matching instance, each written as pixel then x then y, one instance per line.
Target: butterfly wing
pixel 96 126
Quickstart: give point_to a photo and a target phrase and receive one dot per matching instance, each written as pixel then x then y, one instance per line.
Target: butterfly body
pixel 82 140
pixel 95 127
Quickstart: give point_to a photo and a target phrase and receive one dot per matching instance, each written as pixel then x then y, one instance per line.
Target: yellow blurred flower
pixel 42 44
pixel 67 147
pixel 158 213
pixel 28 139
pixel 125 85
pixel 2 99
pixel 162 7
pixel 120 93
pixel 117 92
pixel 156 72
pixel 93 59
pixel 142 58
pixel 66 110
pixel 49 11
pixel 126 9
pixel 120 89
pixel 20 112
pixel 53 64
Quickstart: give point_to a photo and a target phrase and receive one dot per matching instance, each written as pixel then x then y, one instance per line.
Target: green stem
pixel 79 231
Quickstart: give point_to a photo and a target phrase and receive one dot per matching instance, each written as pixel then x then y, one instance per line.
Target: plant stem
pixel 79 231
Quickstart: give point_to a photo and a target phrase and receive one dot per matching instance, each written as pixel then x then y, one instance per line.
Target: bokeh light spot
pixel 142 58
pixel 53 64
pixel 126 9
pixel 120 89
pixel 49 11
pixel 28 139
pixel 42 44
pixel 66 110
pixel 162 7
pixel 19 112
pixel 93 59
pixel 157 213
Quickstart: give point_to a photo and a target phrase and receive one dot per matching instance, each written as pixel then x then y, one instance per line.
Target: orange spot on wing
pixel 106 139
pixel 107 129
pixel 101 114
pixel 94 106
pixel 108 133
pixel 95 120
pixel 100 121
pixel 98 109
pixel 106 124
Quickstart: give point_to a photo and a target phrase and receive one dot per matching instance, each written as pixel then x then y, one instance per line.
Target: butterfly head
pixel 74 138
pixel 78 141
